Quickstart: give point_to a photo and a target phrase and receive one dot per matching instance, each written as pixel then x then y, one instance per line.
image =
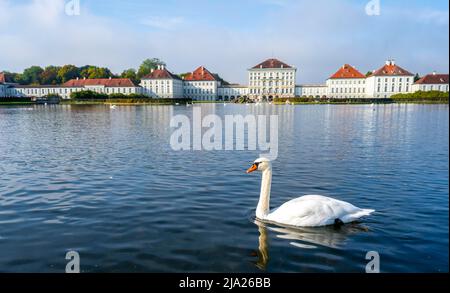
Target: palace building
pixel 268 80
pixel 432 82
pixel 272 79
pixel 201 85
pixel 103 85
pixel 389 80
pixel 2 85
pixel 163 84
pixel 346 83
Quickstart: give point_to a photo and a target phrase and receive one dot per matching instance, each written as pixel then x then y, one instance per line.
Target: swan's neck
pixel 264 199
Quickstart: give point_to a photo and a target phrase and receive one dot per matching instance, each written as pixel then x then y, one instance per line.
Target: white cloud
pixel 315 36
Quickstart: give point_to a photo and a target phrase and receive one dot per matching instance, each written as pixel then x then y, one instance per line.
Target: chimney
pixel 282 65
pixel 153 69
pixel 434 72
pixel 78 78
pixel 260 66
pixel 110 78
pixel 84 78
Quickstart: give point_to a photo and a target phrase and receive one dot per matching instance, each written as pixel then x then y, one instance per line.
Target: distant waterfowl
pixel 305 211
pixel 113 107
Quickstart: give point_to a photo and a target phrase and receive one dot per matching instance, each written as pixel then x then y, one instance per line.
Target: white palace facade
pixel 268 80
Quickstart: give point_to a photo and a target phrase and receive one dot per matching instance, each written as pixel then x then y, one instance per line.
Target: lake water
pixel 106 184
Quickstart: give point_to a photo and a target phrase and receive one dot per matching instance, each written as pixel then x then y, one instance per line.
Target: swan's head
pixel 261 164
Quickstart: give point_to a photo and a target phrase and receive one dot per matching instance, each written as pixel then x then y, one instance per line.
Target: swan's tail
pixel 359 214
pixel 366 212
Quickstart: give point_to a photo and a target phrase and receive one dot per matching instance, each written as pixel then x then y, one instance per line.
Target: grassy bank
pixel 15 101
pixel 432 97
pixel 89 97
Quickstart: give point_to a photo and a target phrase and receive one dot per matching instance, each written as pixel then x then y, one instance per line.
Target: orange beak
pixel 253 168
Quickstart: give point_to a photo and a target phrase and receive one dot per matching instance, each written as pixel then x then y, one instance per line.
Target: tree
pixel 183 75
pixel 90 71
pixel 417 77
pixel 147 66
pixel 12 77
pixel 32 75
pixel 50 75
pixel 131 74
pixel 68 72
pixel 369 73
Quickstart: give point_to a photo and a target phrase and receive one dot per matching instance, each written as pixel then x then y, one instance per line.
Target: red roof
pixel 2 77
pixel 347 71
pixel 113 82
pixel 433 79
pixel 272 63
pixel 200 74
pixel 161 73
pixel 391 69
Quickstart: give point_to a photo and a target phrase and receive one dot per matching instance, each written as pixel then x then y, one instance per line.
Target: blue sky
pixel 317 36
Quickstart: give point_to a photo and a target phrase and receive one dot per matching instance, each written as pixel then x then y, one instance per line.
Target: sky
pixel 226 36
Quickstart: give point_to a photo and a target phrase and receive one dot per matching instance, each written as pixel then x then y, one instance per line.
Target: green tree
pixel 32 75
pixel 12 77
pixel 369 73
pixel 147 66
pixel 50 75
pixel 183 75
pixel 90 71
pixel 68 72
pixel 131 74
pixel 416 77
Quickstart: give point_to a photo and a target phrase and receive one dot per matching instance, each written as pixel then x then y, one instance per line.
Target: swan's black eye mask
pixel 257 164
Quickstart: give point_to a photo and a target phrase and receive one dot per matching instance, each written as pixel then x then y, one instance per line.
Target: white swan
pixel 113 107
pixel 305 211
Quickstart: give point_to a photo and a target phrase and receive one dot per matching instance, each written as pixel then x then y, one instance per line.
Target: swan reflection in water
pixel 304 238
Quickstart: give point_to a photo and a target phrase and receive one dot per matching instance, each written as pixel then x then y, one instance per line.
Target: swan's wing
pixel 316 210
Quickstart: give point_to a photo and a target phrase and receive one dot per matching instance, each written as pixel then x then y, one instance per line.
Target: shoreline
pixel 220 102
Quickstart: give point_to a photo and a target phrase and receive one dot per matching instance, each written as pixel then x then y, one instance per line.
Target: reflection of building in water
pixel 159 118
